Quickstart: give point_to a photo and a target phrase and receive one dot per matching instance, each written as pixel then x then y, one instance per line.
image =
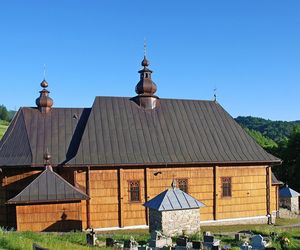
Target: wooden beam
pixel 215 193
pixel 120 197
pixel 146 181
pixel 268 191
pixel 88 204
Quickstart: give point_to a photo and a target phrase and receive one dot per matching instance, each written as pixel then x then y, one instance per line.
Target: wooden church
pixel 77 168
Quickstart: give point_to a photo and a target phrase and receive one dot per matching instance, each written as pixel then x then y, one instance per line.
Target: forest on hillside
pixel 279 138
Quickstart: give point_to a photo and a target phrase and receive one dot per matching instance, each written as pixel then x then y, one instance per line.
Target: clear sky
pixel 248 50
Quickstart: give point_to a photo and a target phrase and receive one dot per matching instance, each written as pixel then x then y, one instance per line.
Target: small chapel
pixel 77 168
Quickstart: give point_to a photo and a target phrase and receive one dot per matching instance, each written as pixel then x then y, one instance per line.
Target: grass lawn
pixel 11 240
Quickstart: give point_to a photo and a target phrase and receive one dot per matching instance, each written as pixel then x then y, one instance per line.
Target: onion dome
pixel 145 86
pixel 44 102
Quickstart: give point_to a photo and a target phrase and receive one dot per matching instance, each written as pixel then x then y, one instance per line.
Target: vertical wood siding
pixel 49 217
pixel 12 183
pixel 248 192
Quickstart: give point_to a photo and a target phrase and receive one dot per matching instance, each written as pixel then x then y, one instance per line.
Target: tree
pixel 289 152
pixel 4 115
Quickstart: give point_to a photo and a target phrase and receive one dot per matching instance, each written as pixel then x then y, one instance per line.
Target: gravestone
pixel 237 237
pixel 91 238
pixel 246 246
pixel 158 240
pixel 181 241
pixel 257 242
pixel 109 242
pixel 197 244
pixel 131 244
pixel 210 242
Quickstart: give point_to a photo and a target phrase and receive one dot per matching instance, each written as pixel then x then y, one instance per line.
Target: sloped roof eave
pixel 53 180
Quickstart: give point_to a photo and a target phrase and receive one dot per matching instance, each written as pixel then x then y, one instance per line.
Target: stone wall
pixel 175 222
pixel 290 203
pixel 294 204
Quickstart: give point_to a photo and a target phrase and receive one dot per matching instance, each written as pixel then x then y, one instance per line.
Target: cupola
pixel 44 102
pixel 146 88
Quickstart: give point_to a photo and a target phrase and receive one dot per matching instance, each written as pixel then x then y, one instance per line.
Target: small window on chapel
pixel 182 184
pixel 226 186
pixel 134 191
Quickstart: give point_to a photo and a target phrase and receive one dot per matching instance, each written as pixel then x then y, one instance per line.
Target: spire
pixel 44 102
pixel 145 86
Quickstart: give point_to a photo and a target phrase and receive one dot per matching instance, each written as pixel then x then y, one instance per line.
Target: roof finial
pixel 44 102
pixel 173 185
pixel 44 71
pixel 47 158
pixel 215 94
pixel 145 47
pixel 145 63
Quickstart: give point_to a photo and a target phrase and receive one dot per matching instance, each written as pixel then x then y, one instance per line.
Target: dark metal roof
pixel 116 131
pixel 48 187
pixel 275 181
pixel 173 199
pixel 286 192
pixel 177 132
pixel 31 133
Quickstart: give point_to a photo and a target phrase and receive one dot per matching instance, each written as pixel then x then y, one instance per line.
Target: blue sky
pixel 248 50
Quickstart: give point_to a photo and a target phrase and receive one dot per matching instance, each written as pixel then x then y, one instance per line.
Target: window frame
pixel 130 191
pixel 226 190
pixel 186 180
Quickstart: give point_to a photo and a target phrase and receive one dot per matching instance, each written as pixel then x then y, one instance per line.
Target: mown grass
pixel 11 240
pixel 53 241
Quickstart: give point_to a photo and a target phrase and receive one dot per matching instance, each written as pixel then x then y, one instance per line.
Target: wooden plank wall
pixel 200 185
pixel 248 192
pixel 274 200
pixel 134 212
pixel 49 217
pixel 104 204
pixel 13 181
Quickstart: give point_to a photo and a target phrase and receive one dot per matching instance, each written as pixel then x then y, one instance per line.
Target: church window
pixel 134 191
pixel 226 186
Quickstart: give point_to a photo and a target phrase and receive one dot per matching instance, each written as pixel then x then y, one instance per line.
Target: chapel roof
pixel 48 187
pixel 173 199
pixel 287 192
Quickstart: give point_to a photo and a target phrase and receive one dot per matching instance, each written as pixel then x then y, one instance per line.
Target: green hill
pixel 276 130
pixel 263 141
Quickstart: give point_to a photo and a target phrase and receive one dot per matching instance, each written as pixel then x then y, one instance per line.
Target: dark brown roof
pixel 31 133
pixel 119 132
pixel 48 187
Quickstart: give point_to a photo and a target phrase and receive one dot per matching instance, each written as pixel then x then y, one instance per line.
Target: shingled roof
pixel 120 132
pixel 48 187
pixel 173 199
pixel 31 133
pixel 116 131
